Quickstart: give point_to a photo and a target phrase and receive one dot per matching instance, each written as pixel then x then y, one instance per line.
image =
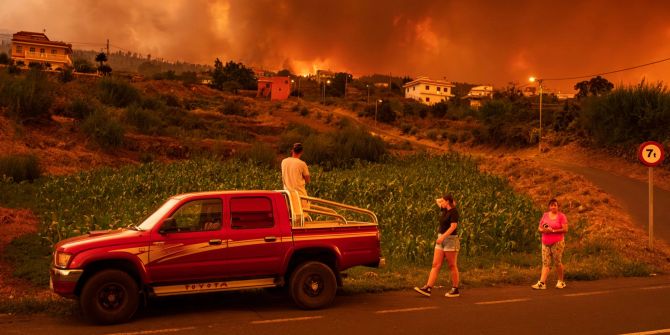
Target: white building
pixel 479 93
pixel 428 91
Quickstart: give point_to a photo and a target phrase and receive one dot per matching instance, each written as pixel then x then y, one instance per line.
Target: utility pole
pixel 346 78
pixel 108 47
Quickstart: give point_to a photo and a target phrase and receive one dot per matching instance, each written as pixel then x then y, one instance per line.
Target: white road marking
pixel 655 287
pixel 286 320
pixel 405 310
pixel 660 331
pixel 501 301
pixel 586 293
pixel 156 331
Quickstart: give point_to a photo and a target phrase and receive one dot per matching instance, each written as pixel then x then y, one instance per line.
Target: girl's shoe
pixel 539 286
pixel 560 284
pixel 426 290
pixel 453 293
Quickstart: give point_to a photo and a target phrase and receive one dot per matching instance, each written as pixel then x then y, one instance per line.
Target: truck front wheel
pixel 109 296
pixel 313 285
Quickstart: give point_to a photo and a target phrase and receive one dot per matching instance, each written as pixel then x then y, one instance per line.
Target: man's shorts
pixel 451 243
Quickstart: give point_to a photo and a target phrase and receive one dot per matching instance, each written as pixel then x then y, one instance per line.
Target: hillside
pixel 172 122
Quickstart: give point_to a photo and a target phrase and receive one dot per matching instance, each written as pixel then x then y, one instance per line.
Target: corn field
pixel 401 192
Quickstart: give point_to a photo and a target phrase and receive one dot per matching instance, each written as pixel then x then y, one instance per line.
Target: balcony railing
pixel 46 57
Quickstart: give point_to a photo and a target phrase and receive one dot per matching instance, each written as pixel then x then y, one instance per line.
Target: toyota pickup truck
pixel 218 241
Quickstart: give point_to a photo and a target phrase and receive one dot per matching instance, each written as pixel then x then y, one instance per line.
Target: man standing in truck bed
pixel 295 175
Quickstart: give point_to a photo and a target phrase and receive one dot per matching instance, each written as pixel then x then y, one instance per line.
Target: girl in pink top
pixel 553 227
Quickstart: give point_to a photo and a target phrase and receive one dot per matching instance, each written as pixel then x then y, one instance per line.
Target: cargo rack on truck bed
pixel 320 213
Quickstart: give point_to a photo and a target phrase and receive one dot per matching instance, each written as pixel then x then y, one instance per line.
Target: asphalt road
pixel 614 306
pixel 633 195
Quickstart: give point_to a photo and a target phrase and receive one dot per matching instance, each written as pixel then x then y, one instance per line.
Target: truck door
pixel 189 246
pixel 257 239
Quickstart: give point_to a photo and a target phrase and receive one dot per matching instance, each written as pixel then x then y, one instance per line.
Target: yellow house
pixel 428 91
pixel 31 47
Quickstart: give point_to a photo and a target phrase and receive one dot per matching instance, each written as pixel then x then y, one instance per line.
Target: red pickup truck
pixel 218 241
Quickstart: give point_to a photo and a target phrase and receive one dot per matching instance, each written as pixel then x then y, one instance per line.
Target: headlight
pixel 61 259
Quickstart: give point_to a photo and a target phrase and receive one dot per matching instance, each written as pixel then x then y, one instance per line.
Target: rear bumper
pixel 64 282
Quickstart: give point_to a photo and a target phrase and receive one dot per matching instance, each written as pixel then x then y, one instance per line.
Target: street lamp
pixel 368 87
pixel 376 101
pixel 324 90
pixel 292 90
pixel 539 137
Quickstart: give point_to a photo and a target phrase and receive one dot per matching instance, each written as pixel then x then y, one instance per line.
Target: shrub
pixel 628 115
pixel 29 98
pixel 260 154
pixel 66 75
pixel 79 108
pixel 439 110
pixel 83 66
pixel 146 121
pixel 432 134
pixel 117 92
pixel 104 130
pixel 20 167
pixel 405 127
pixel 233 107
pixel 171 100
pixel 153 103
pixel 294 133
pixel 343 148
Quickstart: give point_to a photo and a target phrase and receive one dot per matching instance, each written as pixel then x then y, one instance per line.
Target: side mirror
pixel 169 225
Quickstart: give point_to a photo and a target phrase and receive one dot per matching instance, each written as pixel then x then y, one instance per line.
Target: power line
pixel 609 72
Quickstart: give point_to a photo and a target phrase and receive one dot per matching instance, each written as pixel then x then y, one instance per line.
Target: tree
pixel 338 83
pixel 4 58
pixel 285 73
pixel 232 72
pixel 101 58
pixel 596 86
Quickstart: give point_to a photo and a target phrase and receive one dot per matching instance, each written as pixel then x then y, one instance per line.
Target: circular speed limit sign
pixel 650 153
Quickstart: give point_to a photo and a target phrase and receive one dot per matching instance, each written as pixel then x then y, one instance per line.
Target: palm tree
pixel 101 58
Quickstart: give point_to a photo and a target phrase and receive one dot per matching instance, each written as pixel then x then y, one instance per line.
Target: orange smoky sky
pixel 482 42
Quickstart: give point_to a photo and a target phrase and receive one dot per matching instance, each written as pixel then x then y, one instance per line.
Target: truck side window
pixel 199 215
pixel 251 213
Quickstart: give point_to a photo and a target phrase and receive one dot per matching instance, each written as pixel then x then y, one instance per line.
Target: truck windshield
pixel 149 222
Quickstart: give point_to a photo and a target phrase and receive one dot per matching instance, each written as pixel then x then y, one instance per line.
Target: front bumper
pixel 64 281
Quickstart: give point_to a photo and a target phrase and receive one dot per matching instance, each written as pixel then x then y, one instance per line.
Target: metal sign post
pixel 651 154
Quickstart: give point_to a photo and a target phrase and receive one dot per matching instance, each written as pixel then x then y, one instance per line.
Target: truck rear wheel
pixel 313 285
pixel 109 296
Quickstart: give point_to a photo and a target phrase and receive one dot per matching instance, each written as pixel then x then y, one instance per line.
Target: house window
pixel 413 88
pixel 427 88
pixel 54 51
pixel 42 50
pixel 427 99
pixel 438 88
pixel 19 49
pixel 32 49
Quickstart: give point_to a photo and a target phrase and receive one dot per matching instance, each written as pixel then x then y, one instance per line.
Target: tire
pixel 109 297
pixel 313 285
